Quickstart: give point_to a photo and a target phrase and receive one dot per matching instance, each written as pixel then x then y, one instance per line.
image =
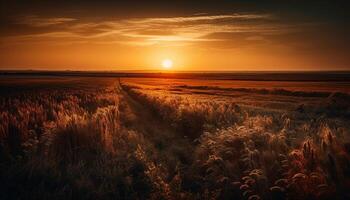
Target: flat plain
pixel 105 137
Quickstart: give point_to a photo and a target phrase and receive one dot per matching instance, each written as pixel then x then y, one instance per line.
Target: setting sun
pixel 167 64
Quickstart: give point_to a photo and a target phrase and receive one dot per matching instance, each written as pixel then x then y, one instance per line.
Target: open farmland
pixel 160 138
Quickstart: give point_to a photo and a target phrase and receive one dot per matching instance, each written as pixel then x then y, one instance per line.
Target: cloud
pixel 149 31
pixel 36 21
pixel 202 18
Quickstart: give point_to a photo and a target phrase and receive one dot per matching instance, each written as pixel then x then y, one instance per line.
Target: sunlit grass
pixel 85 142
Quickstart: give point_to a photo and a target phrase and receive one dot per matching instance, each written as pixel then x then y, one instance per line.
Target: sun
pixel 167 64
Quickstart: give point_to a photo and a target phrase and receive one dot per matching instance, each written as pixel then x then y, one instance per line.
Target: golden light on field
pixel 167 64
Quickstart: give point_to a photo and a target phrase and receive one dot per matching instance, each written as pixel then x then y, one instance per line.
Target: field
pixel 105 137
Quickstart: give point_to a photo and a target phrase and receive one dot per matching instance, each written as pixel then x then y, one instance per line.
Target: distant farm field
pixel 78 137
pixel 311 86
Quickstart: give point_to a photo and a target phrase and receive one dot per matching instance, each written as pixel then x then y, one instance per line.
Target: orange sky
pixel 226 40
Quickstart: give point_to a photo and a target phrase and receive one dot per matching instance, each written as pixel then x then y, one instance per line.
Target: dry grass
pixel 250 153
pixel 84 140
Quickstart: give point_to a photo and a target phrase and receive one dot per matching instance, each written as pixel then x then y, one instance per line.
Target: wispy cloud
pixel 150 31
pixel 202 18
pixel 36 21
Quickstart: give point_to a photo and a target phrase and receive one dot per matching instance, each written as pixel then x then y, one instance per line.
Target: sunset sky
pixel 194 35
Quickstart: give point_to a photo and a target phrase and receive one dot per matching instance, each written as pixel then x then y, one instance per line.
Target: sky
pixel 202 35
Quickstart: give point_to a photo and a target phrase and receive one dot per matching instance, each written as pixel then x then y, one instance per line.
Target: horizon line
pixel 165 71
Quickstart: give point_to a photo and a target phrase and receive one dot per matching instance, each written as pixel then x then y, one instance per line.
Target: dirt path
pixel 171 147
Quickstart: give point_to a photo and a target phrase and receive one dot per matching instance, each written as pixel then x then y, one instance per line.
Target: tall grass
pixel 249 154
pixel 188 115
pixel 69 144
pixel 72 143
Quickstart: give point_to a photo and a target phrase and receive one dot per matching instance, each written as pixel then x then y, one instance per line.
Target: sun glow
pixel 167 64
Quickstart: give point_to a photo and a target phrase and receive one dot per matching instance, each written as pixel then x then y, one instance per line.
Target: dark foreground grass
pixel 81 141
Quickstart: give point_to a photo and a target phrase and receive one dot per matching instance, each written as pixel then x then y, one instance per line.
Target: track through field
pixel 172 149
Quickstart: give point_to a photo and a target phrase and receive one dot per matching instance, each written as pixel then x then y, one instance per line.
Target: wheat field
pixel 149 138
